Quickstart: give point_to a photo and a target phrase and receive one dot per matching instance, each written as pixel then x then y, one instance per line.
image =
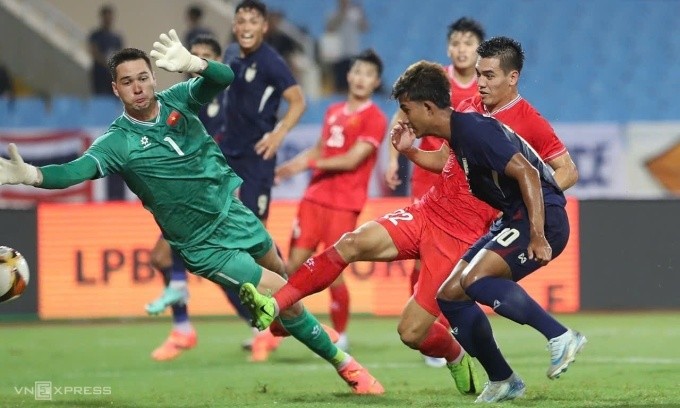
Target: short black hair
pixel 208 40
pixel 369 55
pixel 424 81
pixel 467 25
pixel 195 12
pixel 508 51
pixel 252 4
pixel 124 55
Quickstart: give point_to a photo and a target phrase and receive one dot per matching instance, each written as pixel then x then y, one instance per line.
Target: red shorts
pixel 415 237
pixel 317 224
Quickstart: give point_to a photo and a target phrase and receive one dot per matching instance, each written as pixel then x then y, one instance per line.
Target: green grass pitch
pixel 631 360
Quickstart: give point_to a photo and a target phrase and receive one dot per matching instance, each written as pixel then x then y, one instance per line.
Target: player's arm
pixel 402 139
pixel 299 163
pixel 348 161
pixel 565 171
pixel 529 182
pixel 392 172
pixel 56 176
pixel 270 142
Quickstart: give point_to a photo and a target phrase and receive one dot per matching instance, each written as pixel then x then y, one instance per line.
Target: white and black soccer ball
pixel 14 274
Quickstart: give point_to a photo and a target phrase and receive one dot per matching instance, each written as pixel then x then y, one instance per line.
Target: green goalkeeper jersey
pixel 173 165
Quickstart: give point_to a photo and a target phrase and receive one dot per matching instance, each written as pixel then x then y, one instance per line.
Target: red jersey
pixel 524 120
pixel 450 205
pixel 347 190
pixel 422 180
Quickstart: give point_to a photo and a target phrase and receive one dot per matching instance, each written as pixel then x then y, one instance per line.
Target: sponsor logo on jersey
pixel 251 71
pixel 144 141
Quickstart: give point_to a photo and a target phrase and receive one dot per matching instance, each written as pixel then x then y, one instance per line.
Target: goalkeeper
pixel 167 159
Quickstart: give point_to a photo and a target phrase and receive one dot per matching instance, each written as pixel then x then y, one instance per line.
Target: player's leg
pixel 419 327
pixel 369 242
pixel 340 222
pixel 175 294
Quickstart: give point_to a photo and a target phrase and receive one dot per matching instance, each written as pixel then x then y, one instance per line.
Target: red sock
pixel 415 273
pixel 315 275
pixel 339 307
pixel 440 343
pixel 278 330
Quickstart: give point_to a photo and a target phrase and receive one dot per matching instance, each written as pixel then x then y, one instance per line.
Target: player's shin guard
pixel 309 332
pixel 441 344
pixel 472 329
pixel 315 275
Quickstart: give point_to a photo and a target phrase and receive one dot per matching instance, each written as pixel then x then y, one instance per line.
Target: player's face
pixel 462 49
pixel 203 51
pixel 249 29
pixel 417 115
pixel 135 85
pixel 363 79
pixel 496 87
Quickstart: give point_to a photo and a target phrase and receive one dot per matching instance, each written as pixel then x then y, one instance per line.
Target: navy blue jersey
pixel 483 147
pixel 252 100
pixel 212 116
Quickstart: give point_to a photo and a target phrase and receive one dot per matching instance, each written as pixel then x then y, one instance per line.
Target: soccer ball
pixel 14 274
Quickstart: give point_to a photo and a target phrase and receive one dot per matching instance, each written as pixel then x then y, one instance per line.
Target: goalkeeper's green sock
pixel 309 332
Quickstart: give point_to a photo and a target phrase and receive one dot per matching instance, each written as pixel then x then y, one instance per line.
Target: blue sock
pixel 232 295
pixel 178 273
pixel 509 300
pixel 471 328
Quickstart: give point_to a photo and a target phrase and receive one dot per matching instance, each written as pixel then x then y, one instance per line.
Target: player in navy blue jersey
pixel 252 132
pixel 504 172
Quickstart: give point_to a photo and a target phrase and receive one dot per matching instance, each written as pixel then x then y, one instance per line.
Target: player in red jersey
pixel 342 162
pixel 463 37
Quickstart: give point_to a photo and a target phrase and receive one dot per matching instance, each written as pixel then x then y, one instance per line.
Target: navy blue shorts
pixel 510 239
pixel 258 179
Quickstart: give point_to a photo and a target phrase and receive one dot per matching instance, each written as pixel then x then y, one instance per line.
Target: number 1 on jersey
pixel 174 145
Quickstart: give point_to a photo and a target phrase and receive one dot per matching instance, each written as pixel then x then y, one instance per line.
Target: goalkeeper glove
pixel 15 171
pixel 171 55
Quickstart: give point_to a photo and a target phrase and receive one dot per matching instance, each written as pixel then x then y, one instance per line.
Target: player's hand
pixel 171 55
pixel 15 171
pixel 268 145
pixel 402 136
pixel 392 179
pixel 539 249
pixel 288 170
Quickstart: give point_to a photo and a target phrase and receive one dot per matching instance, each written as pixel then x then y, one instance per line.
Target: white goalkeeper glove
pixel 15 171
pixel 171 55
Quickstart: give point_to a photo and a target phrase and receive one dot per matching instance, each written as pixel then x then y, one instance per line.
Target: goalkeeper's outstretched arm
pixel 56 176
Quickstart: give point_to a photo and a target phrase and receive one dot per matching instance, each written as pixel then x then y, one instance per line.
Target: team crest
pixel 251 71
pixel 144 141
pixel 173 118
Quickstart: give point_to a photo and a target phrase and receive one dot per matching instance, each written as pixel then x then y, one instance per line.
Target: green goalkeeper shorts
pixel 228 256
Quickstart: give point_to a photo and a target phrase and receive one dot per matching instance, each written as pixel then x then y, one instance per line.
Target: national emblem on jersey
pixel 251 71
pixel 173 118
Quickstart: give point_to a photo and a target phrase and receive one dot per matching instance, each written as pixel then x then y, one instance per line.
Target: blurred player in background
pixel 342 161
pixel 183 335
pixel 463 37
pixel 252 133
pixel 178 172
